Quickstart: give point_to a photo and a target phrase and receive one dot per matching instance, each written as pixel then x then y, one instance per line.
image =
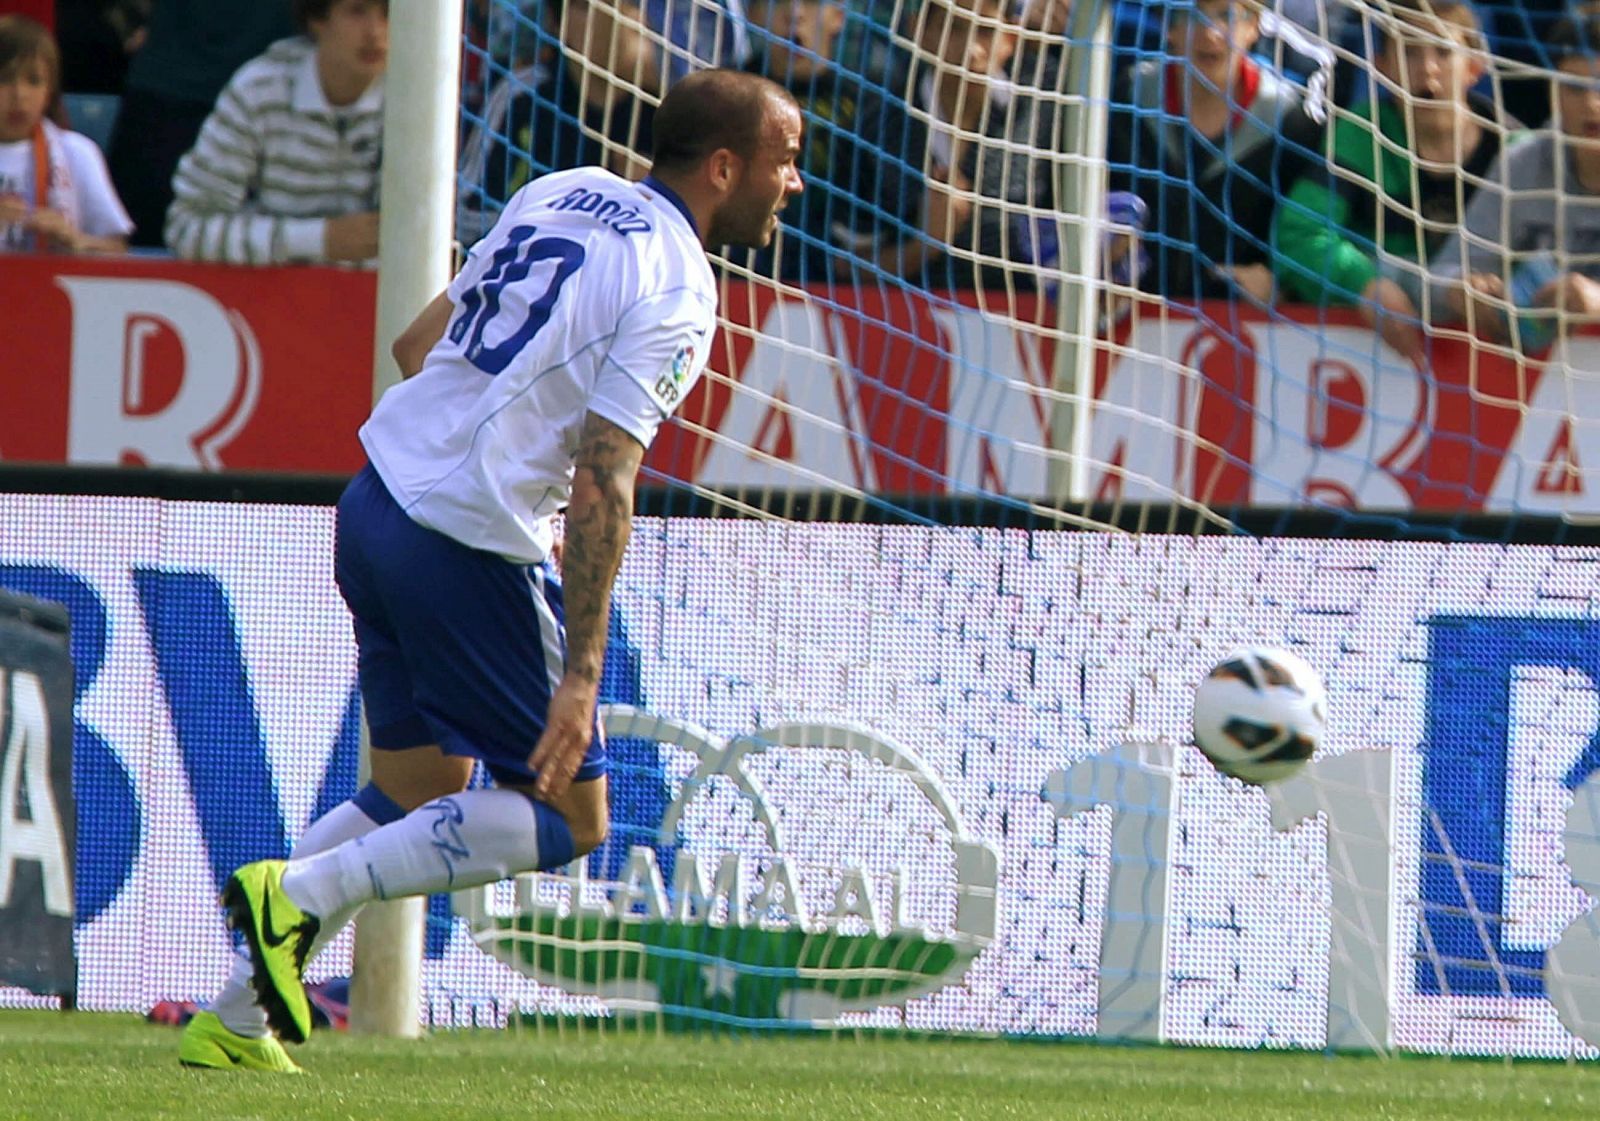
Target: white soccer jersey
pixel 591 294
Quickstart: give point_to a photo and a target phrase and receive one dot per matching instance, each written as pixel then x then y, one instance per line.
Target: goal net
pixel 1104 339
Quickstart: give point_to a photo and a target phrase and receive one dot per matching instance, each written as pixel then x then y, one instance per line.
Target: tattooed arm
pixel 599 519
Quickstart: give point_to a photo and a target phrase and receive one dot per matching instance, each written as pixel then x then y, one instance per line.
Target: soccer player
pixel 795 42
pixel 534 382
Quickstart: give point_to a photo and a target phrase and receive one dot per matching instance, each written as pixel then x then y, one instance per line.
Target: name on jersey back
pixel 623 217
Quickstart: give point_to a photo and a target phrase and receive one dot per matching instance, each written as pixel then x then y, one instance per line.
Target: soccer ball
pixel 1260 714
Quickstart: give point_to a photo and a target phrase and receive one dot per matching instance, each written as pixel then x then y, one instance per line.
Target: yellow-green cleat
pixel 207 1042
pixel 279 935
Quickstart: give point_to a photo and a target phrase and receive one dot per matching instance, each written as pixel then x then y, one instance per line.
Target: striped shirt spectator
pixel 286 168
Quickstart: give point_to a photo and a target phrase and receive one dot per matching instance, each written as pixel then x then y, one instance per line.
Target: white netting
pixel 1151 267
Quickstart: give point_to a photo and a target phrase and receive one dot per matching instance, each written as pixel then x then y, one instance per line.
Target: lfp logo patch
pixel 669 386
pixel 682 363
pixel 779 912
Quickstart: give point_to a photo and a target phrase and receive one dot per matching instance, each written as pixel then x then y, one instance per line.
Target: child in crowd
pixel 1356 233
pixel 1531 236
pixel 934 171
pixel 586 93
pixel 286 169
pixel 55 190
pixel 190 50
pixel 1209 138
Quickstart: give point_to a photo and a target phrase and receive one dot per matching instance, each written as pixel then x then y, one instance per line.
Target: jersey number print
pixel 512 262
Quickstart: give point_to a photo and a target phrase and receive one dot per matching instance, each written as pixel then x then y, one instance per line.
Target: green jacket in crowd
pixel 1327 234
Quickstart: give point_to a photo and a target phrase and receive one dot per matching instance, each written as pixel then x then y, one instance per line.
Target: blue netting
pixel 1235 371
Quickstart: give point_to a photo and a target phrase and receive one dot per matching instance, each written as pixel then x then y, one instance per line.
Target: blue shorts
pixel 455 646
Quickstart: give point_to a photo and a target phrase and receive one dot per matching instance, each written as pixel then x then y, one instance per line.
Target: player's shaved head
pixel 708 110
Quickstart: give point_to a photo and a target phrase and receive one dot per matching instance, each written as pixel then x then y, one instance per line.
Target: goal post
pixel 1086 89
pixel 415 236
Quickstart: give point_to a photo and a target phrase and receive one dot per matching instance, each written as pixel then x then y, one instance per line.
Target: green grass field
pixel 101 1067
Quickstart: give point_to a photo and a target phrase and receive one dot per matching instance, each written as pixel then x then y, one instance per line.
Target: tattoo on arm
pixel 599 520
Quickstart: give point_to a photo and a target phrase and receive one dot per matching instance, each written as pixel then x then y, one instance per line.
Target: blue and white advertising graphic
pixel 857 902
pixel 898 776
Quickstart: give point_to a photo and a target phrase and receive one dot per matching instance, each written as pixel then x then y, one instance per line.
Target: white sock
pixel 475 837
pixel 235 1005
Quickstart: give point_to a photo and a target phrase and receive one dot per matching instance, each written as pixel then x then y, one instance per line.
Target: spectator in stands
pixel 1036 70
pixel 938 180
pixel 1354 232
pixel 505 50
pixel 793 42
pixel 1531 235
pixel 500 38
pixel 1044 42
pixel 1037 74
pixel 698 33
pixel 580 111
pixel 190 51
pixel 1290 35
pixel 1210 138
pixel 1517 31
pixel 98 41
pixel 287 167
pixel 55 191
pixel 478 61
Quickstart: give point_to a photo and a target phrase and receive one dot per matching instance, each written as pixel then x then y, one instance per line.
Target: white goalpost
pixel 416 236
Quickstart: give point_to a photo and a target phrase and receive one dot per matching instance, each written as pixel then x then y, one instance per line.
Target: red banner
pixel 881 390
pixel 179 365
pixel 1305 407
pixel 857 390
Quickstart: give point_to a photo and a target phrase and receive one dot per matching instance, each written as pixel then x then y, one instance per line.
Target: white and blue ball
pixel 1260 714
